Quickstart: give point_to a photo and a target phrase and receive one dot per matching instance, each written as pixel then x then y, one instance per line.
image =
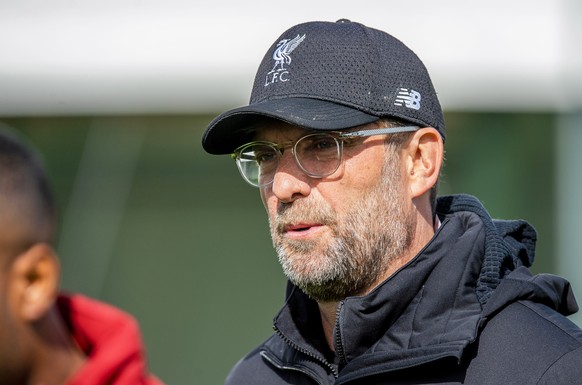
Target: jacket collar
pixel 433 306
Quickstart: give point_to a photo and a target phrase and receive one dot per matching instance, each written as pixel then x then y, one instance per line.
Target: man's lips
pixel 302 230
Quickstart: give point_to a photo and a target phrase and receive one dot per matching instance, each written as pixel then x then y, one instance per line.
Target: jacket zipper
pixel 281 366
pixel 339 347
pixel 308 353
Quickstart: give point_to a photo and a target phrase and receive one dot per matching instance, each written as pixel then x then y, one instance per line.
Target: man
pixel 47 338
pixel 344 138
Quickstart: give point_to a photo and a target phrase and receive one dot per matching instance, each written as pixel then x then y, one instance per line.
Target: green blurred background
pixel 155 226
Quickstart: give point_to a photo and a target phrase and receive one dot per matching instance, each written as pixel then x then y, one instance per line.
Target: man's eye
pixel 322 144
pixel 264 156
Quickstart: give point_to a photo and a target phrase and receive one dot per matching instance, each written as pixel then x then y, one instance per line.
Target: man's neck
pixel 58 356
pixel 328 312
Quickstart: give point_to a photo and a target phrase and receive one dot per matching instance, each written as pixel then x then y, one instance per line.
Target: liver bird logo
pixel 283 51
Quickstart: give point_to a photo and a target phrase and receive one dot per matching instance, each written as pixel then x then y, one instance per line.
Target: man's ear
pixel 425 158
pixel 34 281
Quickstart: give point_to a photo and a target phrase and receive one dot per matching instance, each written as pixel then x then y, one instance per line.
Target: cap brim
pixel 234 128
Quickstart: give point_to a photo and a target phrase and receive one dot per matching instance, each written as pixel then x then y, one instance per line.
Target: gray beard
pixel 364 244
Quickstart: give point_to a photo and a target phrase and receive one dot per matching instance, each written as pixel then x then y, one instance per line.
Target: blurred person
pixel 388 284
pixel 47 337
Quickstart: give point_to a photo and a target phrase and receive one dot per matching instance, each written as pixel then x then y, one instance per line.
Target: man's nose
pixel 290 181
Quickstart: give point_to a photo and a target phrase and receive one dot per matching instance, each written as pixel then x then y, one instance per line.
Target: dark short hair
pixel 24 187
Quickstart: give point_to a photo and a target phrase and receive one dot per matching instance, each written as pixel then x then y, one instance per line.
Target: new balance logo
pixel 409 98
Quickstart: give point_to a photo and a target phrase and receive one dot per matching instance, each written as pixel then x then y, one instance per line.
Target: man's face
pixel 11 345
pixel 338 236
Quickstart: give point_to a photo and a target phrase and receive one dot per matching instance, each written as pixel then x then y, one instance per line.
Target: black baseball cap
pixel 331 76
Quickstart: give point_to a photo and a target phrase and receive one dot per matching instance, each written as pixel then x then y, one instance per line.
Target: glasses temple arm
pixel 376 131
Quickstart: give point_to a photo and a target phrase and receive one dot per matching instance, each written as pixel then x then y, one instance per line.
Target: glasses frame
pixel 339 136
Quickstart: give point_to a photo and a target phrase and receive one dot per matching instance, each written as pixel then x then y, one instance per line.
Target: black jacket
pixel 465 310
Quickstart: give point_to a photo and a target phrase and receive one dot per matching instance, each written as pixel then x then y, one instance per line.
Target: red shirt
pixel 111 340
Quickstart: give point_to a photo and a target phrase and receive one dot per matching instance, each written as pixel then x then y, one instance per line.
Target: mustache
pixel 303 211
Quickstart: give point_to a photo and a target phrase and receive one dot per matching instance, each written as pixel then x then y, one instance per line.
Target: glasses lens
pixel 257 163
pixel 319 155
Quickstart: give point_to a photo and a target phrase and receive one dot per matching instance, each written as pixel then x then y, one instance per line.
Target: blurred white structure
pixel 184 56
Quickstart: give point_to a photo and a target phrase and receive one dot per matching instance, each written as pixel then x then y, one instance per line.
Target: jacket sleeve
pixel 566 370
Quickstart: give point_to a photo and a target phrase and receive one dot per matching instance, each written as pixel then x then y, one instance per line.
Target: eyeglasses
pixel 317 155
